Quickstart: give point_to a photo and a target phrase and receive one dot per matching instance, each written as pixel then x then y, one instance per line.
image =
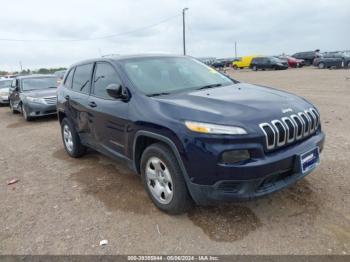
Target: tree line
pixel 44 71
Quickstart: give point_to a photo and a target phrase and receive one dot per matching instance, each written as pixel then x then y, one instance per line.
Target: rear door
pixel 109 116
pixel 77 101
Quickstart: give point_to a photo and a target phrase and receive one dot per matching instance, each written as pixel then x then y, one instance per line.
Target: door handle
pixel 92 104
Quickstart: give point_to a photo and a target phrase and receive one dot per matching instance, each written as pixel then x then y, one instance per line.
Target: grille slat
pixel 293 128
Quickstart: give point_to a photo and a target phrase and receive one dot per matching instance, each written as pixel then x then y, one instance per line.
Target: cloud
pixel 259 27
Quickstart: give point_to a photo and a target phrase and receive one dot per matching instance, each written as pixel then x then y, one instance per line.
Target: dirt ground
pixel 66 206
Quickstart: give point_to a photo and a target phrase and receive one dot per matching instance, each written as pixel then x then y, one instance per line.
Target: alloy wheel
pixel 24 112
pixel 68 138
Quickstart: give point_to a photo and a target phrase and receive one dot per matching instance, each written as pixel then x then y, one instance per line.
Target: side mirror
pixel 116 91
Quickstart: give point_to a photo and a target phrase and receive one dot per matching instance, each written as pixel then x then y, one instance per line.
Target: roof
pixel 112 58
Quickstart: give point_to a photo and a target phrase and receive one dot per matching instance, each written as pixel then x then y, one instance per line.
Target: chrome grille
pixel 279 133
pixel 52 100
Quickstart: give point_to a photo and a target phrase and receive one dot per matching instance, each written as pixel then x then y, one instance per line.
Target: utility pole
pixel 235 49
pixel 20 65
pixel 183 30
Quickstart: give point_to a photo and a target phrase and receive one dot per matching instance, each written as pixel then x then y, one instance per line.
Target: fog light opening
pixel 234 156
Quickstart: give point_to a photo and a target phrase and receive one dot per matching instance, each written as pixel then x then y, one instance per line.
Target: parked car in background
pixel 59 74
pixel 222 62
pixel 268 62
pixel 192 133
pixel 292 62
pixel 207 60
pixel 332 59
pixel 308 56
pixel 242 62
pixel 33 95
pixel 5 85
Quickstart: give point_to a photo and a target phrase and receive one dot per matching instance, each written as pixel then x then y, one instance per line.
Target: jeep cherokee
pixel 193 134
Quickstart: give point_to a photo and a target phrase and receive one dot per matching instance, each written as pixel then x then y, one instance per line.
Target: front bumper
pixel 261 177
pixel 37 110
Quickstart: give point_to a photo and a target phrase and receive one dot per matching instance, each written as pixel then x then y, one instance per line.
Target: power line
pixel 92 38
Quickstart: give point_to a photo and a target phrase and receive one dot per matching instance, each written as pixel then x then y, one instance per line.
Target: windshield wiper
pixel 158 94
pixel 209 86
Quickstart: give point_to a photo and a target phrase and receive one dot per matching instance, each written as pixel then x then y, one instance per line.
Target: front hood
pixel 41 93
pixel 235 104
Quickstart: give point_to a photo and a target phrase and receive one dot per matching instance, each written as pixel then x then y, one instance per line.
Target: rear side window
pixel 82 77
pixel 257 60
pixel 105 75
pixel 68 80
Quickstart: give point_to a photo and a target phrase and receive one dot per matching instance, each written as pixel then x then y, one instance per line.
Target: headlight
pixel 214 129
pixel 4 92
pixel 35 100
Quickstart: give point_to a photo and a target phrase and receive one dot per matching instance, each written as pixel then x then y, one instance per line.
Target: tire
pixel 348 65
pixel 235 67
pixel 13 111
pixel 254 68
pixel 25 114
pixel 321 65
pixel 160 169
pixel 71 140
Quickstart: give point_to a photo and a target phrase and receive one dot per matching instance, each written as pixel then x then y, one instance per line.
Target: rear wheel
pixel 164 181
pixel 71 139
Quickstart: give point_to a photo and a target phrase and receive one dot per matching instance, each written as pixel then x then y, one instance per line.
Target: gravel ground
pixel 66 206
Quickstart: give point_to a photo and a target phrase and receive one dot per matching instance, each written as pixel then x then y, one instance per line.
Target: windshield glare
pixel 38 83
pixel 171 74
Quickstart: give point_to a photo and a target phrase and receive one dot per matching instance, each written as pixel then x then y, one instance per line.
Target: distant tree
pixel 25 72
pixel 48 70
pixel 43 71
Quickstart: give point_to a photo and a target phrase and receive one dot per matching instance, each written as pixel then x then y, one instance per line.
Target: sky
pixel 59 33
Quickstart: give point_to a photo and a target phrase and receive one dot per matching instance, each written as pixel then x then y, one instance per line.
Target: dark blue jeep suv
pixel 193 134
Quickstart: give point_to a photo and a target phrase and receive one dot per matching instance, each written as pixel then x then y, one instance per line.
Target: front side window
pixel 156 75
pixel 30 84
pixel 105 75
pixel 82 77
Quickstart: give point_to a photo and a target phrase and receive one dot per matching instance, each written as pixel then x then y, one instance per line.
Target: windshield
pixel 38 83
pixel 6 83
pixel 276 60
pixel 160 75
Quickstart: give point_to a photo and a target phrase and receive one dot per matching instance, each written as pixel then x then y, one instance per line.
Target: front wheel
pixel 13 111
pixel 25 113
pixel 164 181
pixel 71 139
pixel 321 66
